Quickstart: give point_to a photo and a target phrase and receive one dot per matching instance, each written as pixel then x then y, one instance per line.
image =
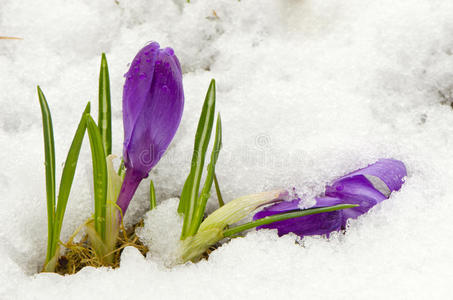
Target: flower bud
pixel 365 187
pixel 153 102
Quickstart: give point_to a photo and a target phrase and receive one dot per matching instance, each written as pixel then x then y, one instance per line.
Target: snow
pixel 308 91
pixel 163 249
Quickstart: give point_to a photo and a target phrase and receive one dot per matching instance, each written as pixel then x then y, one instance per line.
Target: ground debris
pixel 80 254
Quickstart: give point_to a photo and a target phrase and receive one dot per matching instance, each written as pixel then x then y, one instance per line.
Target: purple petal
pixel 355 190
pixel 137 86
pixel 293 205
pixel 318 224
pixel 390 171
pixel 327 201
pixel 356 187
pixel 153 103
pixel 307 225
pixel 278 208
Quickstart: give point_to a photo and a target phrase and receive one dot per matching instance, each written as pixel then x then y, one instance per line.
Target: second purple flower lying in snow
pixel 365 187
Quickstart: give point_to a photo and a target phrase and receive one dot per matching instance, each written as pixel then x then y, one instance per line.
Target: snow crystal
pixel 308 91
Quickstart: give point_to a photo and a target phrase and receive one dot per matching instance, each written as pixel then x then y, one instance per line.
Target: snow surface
pixel 308 90
pixel 161 233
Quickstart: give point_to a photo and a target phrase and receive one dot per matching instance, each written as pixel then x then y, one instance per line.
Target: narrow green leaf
pixel 152 196
pixel 189 199
pixel 240 208
pixel 122 169
pixel 185 194
pixel 67 176
pixel 217 190
pixel 206 191
pixel 284 216
pixel 99 176
pixel 105 110
pixel 49 153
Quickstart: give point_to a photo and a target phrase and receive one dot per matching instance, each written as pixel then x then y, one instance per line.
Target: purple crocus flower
pixel 366 187
pixel 153 102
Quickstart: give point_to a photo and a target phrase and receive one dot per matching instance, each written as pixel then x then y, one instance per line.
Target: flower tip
pixel 149 48
pixel 152 44
pixel 169 51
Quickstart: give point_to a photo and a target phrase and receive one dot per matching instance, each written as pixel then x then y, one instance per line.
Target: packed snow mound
pixel 308 91
pixel 162 231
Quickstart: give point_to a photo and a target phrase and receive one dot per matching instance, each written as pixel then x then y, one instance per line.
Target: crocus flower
pixel 365 187
pixel 153 102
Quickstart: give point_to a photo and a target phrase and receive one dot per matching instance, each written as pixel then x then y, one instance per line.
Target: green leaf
pixel 194 246
pixel 113 214
pixel 105 111
pixel 217 190
pixel 284 216
pixel 212 230
pixel 191 188
pixel 206 191
pixel 99 176
pixel 185 194
pixel 105 247
pixel 67 176
pixel 49 152
pixel 97 242
pixel 240 208
pixel 122 169
pixel 152 196
pixel 114 180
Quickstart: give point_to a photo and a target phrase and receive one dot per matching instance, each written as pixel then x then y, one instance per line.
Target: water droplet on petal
pixel 142 75
pixel 339 187
pixel 165 89
pixel 169 51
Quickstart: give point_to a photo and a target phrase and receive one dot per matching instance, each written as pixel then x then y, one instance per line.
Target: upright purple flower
pixel 366 187
pixel 153 102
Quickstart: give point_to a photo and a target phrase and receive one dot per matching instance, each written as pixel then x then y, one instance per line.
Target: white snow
pixel 161 233
pixel 308 91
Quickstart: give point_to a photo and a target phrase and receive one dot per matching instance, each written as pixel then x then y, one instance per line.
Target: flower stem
pixel 131 181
